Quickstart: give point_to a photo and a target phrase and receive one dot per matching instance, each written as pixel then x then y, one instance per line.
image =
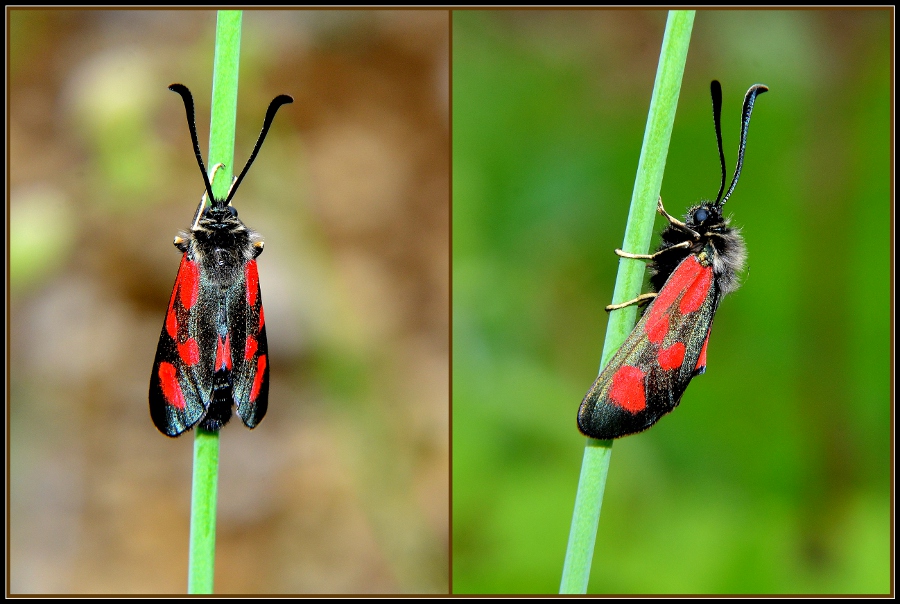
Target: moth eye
pixel 701 215
pixel 233 211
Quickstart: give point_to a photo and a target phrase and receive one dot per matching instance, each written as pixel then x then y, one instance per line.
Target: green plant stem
pixel 202 554
pixel 638 232
pixel 224 99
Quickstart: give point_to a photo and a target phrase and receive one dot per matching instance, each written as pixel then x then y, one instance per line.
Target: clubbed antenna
pixel 277 102
pixel 189 109
pixel 755 90
pixel 715 89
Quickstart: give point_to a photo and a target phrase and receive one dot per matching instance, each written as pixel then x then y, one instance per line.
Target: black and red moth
pixel 212 351
pixel 695 265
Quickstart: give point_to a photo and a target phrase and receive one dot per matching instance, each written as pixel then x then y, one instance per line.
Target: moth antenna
pixel 755 90
pixel 277 102
pixel 189 110
pixel 715 90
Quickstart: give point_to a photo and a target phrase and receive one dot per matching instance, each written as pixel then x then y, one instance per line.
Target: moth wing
pixel 251 366
pixel 181 384
pixel 649 373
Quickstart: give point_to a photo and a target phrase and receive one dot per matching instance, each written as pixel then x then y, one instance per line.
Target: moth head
pixel 705 217
pixel 219 215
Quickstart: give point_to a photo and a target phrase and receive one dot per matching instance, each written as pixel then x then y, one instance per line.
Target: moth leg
pixel 640 300
pixel 674 221
pixel 214 170
pixel 677 246
pixel 198 213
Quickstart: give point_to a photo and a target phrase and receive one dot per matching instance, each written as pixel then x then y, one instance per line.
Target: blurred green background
pixel 343 488
pixel 774 474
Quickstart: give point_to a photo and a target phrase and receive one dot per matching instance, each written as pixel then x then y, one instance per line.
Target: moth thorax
pixel 705 257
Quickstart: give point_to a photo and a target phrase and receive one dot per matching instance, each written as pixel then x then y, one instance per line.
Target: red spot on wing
pixel 701 362
pixel 627 390
pixel 656 327
pixel 262 319
pixel 223 353
pixel 671 357
pixel 697 292
pixel 228 352
pixel 170 386
pixel 689 278
pixel 171 319
pixel 662 303
pixel 684 274
pixel 257 380
pixel 188 282
pixel 189 352
pixel 187 288
pixel 252 282
pixel 250 349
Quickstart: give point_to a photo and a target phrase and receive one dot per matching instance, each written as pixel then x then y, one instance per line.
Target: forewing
pixel 251 360
pixel 181 383
pixel 647 376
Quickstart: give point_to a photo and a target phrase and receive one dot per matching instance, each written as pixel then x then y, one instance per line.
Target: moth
pixel 695 266
pixel 212 352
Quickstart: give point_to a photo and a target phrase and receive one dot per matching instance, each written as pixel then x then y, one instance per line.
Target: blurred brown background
pixel 344 486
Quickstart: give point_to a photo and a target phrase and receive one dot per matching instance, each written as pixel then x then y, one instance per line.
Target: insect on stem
pixel 696 264
pixel 213 353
